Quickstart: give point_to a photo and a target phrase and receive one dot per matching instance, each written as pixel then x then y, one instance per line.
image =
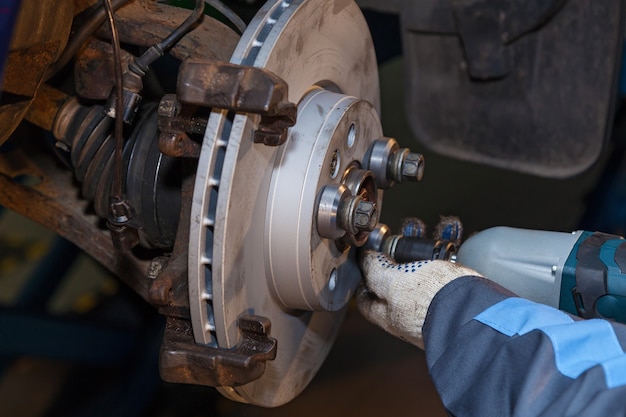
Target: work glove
pixel 396 296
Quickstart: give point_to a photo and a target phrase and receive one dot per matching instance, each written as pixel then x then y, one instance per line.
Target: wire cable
pixel 228 13
pixel 141 64
pixel 86 30
pixel 185 27
pixel 119 103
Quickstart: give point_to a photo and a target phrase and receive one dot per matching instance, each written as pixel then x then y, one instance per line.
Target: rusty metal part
pixel 55 204
pixel 169 290
pixel 183 361
pixel 79 37
pixel 23 70
pixel 242 89
pixel 93 70
pixel 43 28
pixel 178 145
pixel 46 106
pixel 174 116
pixel 175 121
pixel 141 64
pixel 156 266
pixel 40 34
pixel 146 23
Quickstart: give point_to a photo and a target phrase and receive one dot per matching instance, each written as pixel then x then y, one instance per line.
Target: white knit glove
pixel 396 296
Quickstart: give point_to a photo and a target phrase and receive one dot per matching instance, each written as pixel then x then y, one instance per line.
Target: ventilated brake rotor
pixel 255 244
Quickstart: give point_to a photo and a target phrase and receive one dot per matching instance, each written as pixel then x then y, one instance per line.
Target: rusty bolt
pixel 169 106
pixel 156 266
pixel 178 144
pixel 168 111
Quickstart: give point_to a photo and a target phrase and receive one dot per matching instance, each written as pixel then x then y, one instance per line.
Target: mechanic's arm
pixel 490 353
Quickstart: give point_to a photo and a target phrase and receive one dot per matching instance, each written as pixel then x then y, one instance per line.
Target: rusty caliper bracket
pixel 242 89
pixel 184 361
pixel 221 85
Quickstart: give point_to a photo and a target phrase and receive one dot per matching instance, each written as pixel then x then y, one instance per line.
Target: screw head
pixel 169 106
pixel 156 266
pixel 365 216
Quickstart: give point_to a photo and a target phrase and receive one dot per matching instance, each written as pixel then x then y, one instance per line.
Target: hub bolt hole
pixel 332 280
pixel 351 135
pixel 335 164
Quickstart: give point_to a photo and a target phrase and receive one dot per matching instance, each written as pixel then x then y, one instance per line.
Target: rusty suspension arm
pixel 54 204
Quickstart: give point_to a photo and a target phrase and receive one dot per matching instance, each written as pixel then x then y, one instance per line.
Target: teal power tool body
pixel 583 273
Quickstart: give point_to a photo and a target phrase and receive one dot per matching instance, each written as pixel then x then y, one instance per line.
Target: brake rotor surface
pixel 323 50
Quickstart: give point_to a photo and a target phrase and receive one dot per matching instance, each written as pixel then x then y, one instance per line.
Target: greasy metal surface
pixel 305 43
pixel 55 204
pixel 146 23
pixel 40 34
pixel 221 85
pixel 184 361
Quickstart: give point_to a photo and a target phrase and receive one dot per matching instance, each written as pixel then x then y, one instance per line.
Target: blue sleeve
pixel 492 354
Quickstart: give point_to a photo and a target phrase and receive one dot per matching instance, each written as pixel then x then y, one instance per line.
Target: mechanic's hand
pixel 396 296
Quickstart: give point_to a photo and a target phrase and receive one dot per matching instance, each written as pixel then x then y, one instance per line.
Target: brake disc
pixel 255 246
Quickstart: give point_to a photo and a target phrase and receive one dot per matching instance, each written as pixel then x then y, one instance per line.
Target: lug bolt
pixel 357 215
pixel 412 167
pixel 391 164
pixel 340 212
pixel 365 216
pixel 405 165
